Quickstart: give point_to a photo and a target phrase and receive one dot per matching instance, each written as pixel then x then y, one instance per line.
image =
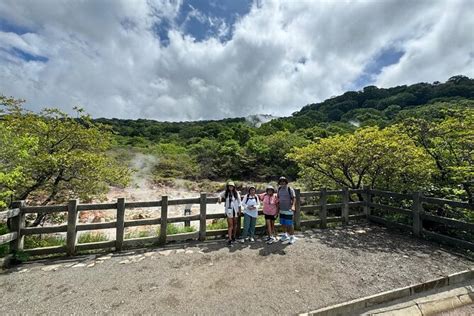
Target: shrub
pixel 92 237
pixel 38 241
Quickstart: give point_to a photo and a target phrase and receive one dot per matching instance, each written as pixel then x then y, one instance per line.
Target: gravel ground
pixel 322 268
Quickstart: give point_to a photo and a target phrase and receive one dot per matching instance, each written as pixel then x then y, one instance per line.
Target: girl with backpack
pixel 270 210
pixel 232 209
pixel 250 204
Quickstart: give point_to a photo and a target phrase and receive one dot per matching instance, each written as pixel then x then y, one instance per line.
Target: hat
pixel 282 179
pixel 230 182
pixel 252 187
pixel 270 188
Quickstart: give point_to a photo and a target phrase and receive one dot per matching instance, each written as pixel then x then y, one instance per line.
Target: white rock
pixel 188 252
pixel 79 265
pixel 70 264
pixel 22 270
pixel 165 252
pixel 124 262
pixel 134 257
pixel 53 267
pixel 361 231
pixel 180 251
pixel 148 254
pixel 91 265
pixel 105 258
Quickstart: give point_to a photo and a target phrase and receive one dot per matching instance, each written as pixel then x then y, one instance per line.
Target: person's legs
pixel 273 231
pixel 253 222
pixel 246 226
pixel 230 227
pixel 236 222
pixel 269 227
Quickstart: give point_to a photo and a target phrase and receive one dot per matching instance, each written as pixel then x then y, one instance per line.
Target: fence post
pixel 297 209
pixel 345 207
pixel 187 211
pixel 367 198
pixel 120 224
pixel 71 227
pixel 323 212
pixel 164 219
pixel 16 224
pixel 417 208
pixel 202 219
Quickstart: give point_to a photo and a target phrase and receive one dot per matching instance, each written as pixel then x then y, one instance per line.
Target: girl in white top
pixel 232 204
pixel 251 205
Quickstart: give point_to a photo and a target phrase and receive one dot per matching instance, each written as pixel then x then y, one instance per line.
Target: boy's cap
pixel 270 188
pixel 231 183
pixel 282 179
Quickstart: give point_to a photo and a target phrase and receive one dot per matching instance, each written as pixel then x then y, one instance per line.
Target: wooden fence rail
pixel 347 203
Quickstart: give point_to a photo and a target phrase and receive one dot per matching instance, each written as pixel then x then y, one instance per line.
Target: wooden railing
pixel 361 200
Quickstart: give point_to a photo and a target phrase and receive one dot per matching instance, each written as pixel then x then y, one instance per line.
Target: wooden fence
pixel 360 200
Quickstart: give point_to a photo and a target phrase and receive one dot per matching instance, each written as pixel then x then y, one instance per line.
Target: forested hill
pixel 370 106
pixel 236 148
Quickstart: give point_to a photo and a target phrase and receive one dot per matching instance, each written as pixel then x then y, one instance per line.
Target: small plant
pixel 92 237
pixel 39 241
pixel 172 229
pixel 217 224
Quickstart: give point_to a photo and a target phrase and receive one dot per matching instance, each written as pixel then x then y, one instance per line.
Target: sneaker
pixel 268 238
pixel 292 240
pixel 252 239
pixel 241 240
pixel 271 240
pixel 284 237
pixel 229 243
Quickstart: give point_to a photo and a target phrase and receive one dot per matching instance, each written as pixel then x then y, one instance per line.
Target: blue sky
pixel 196 59
pixel 201 19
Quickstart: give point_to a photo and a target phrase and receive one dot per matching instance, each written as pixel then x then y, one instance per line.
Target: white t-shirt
pixel 251 201
pixel 231 202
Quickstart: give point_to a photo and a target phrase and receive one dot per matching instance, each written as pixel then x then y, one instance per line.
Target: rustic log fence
pixel 363 205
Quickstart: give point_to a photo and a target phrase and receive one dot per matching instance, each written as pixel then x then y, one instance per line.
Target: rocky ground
pixel 322 268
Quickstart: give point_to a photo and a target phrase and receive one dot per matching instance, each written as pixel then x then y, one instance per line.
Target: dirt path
pixel 324 267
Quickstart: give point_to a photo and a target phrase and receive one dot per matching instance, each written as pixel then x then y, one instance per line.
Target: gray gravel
pixel 322 268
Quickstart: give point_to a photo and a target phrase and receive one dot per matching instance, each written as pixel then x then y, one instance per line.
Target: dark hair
pixel 228 192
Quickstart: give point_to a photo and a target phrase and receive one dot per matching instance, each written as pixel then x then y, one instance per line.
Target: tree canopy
pixel 51 156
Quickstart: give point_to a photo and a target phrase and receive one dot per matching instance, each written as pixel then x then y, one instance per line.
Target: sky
pixel 194 59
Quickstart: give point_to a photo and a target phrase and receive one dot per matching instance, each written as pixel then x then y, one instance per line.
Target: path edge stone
pixel 348 308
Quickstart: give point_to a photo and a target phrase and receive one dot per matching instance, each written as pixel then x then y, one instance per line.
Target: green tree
pixel 386 159
pixel 67 157
pixel 450 143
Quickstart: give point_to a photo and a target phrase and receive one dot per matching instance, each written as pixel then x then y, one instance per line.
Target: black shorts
pixel 270 217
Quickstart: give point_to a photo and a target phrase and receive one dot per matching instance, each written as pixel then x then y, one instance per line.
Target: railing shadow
pixel 373 238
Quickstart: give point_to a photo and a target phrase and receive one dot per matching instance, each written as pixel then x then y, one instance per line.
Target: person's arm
pixel 220 197
pixel 293 200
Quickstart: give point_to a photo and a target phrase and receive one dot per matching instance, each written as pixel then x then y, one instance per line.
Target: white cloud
pixel 104 55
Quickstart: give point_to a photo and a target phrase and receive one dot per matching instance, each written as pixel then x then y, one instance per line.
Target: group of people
pixel 280 202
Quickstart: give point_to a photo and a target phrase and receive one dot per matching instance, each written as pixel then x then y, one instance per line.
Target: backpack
pixel 247 196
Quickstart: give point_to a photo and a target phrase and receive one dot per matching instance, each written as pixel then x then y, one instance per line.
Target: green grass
pixel 39 241
pixel 172 229
pixel 217 224
pixel 92 237
pixel 138 234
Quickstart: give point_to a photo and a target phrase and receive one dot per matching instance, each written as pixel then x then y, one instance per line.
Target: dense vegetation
pixel 401 138
pixel 50 157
